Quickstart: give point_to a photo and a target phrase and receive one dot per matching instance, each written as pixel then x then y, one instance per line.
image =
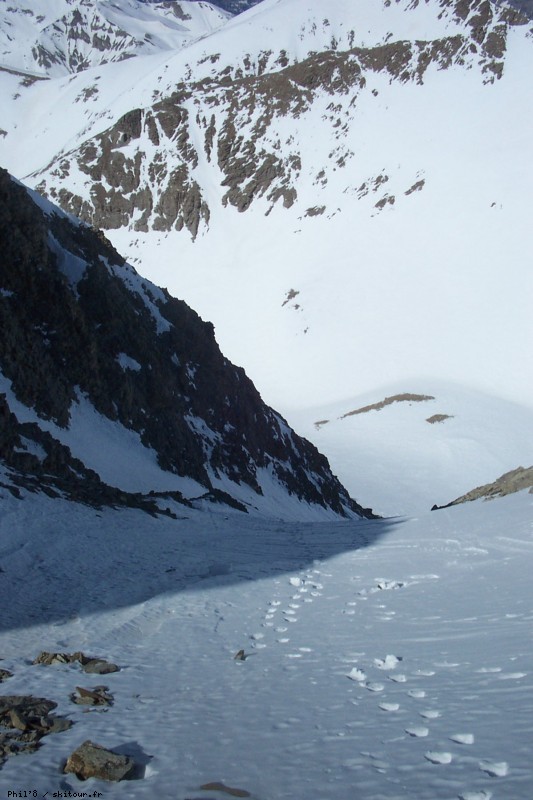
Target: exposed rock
pixel 66 291
pixel 91 760
pixel 97 666
pixel 5 674
pixel 438 418
pixel 406 397
pixel 416 187
pixel 510 482
pixel 27 719
pixel 217 786
pixel 98 696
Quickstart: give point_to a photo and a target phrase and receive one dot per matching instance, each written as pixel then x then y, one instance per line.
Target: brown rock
pixel 98 666
pixel 92 760
pixel 221 787
pixel 92 697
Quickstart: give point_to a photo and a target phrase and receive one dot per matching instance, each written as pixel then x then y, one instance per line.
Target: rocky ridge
pixel 79 325
pixel 516 480
pixel 148 170
pixel 70 37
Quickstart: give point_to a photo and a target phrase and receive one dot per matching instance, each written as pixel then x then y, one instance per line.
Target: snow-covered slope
pixel 419 443
pixel 57 37
pixel 350 188
pixel 382 660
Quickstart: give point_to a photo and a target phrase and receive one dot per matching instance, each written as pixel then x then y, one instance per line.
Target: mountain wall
pixel 79 325
pixel 234 118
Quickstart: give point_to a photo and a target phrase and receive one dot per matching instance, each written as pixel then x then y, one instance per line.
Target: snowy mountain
pixel 106 378
pixel 57 38
pixel 344 189
pixel 236 6
pixel 349 186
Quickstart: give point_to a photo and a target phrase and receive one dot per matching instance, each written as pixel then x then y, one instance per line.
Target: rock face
pixel 79 324
pixel 91 760
pixel 239 122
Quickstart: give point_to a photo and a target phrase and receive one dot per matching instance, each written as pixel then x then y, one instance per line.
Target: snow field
pixel 385 659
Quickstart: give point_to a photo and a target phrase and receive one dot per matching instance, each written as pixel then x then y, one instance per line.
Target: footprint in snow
pixel 430 714
pixel 398 678
pixel 462 738
pixel 374 687
pixel 482 795
pixel 389 662
pixel 496 769
pixel 386 586
pixel 389 706
pixel 438 758
pixel 283 641
pixel 417 731
pixel 357 675
pixel 417 693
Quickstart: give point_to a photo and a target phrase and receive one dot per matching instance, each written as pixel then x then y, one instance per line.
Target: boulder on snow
pixel 98 666
pixel 99 696
pixel 27 719
pixel 91 760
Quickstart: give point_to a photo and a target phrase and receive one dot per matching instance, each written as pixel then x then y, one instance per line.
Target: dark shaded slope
pixel 76 320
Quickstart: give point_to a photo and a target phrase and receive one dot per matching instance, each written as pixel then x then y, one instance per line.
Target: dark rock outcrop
pixel 78 324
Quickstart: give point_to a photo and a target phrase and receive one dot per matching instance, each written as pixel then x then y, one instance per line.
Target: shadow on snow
pixel 69 561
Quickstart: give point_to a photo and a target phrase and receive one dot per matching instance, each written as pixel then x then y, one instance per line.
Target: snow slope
pixel 415 453
pixel 55 38
pixel 403 262
pixel 386 660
